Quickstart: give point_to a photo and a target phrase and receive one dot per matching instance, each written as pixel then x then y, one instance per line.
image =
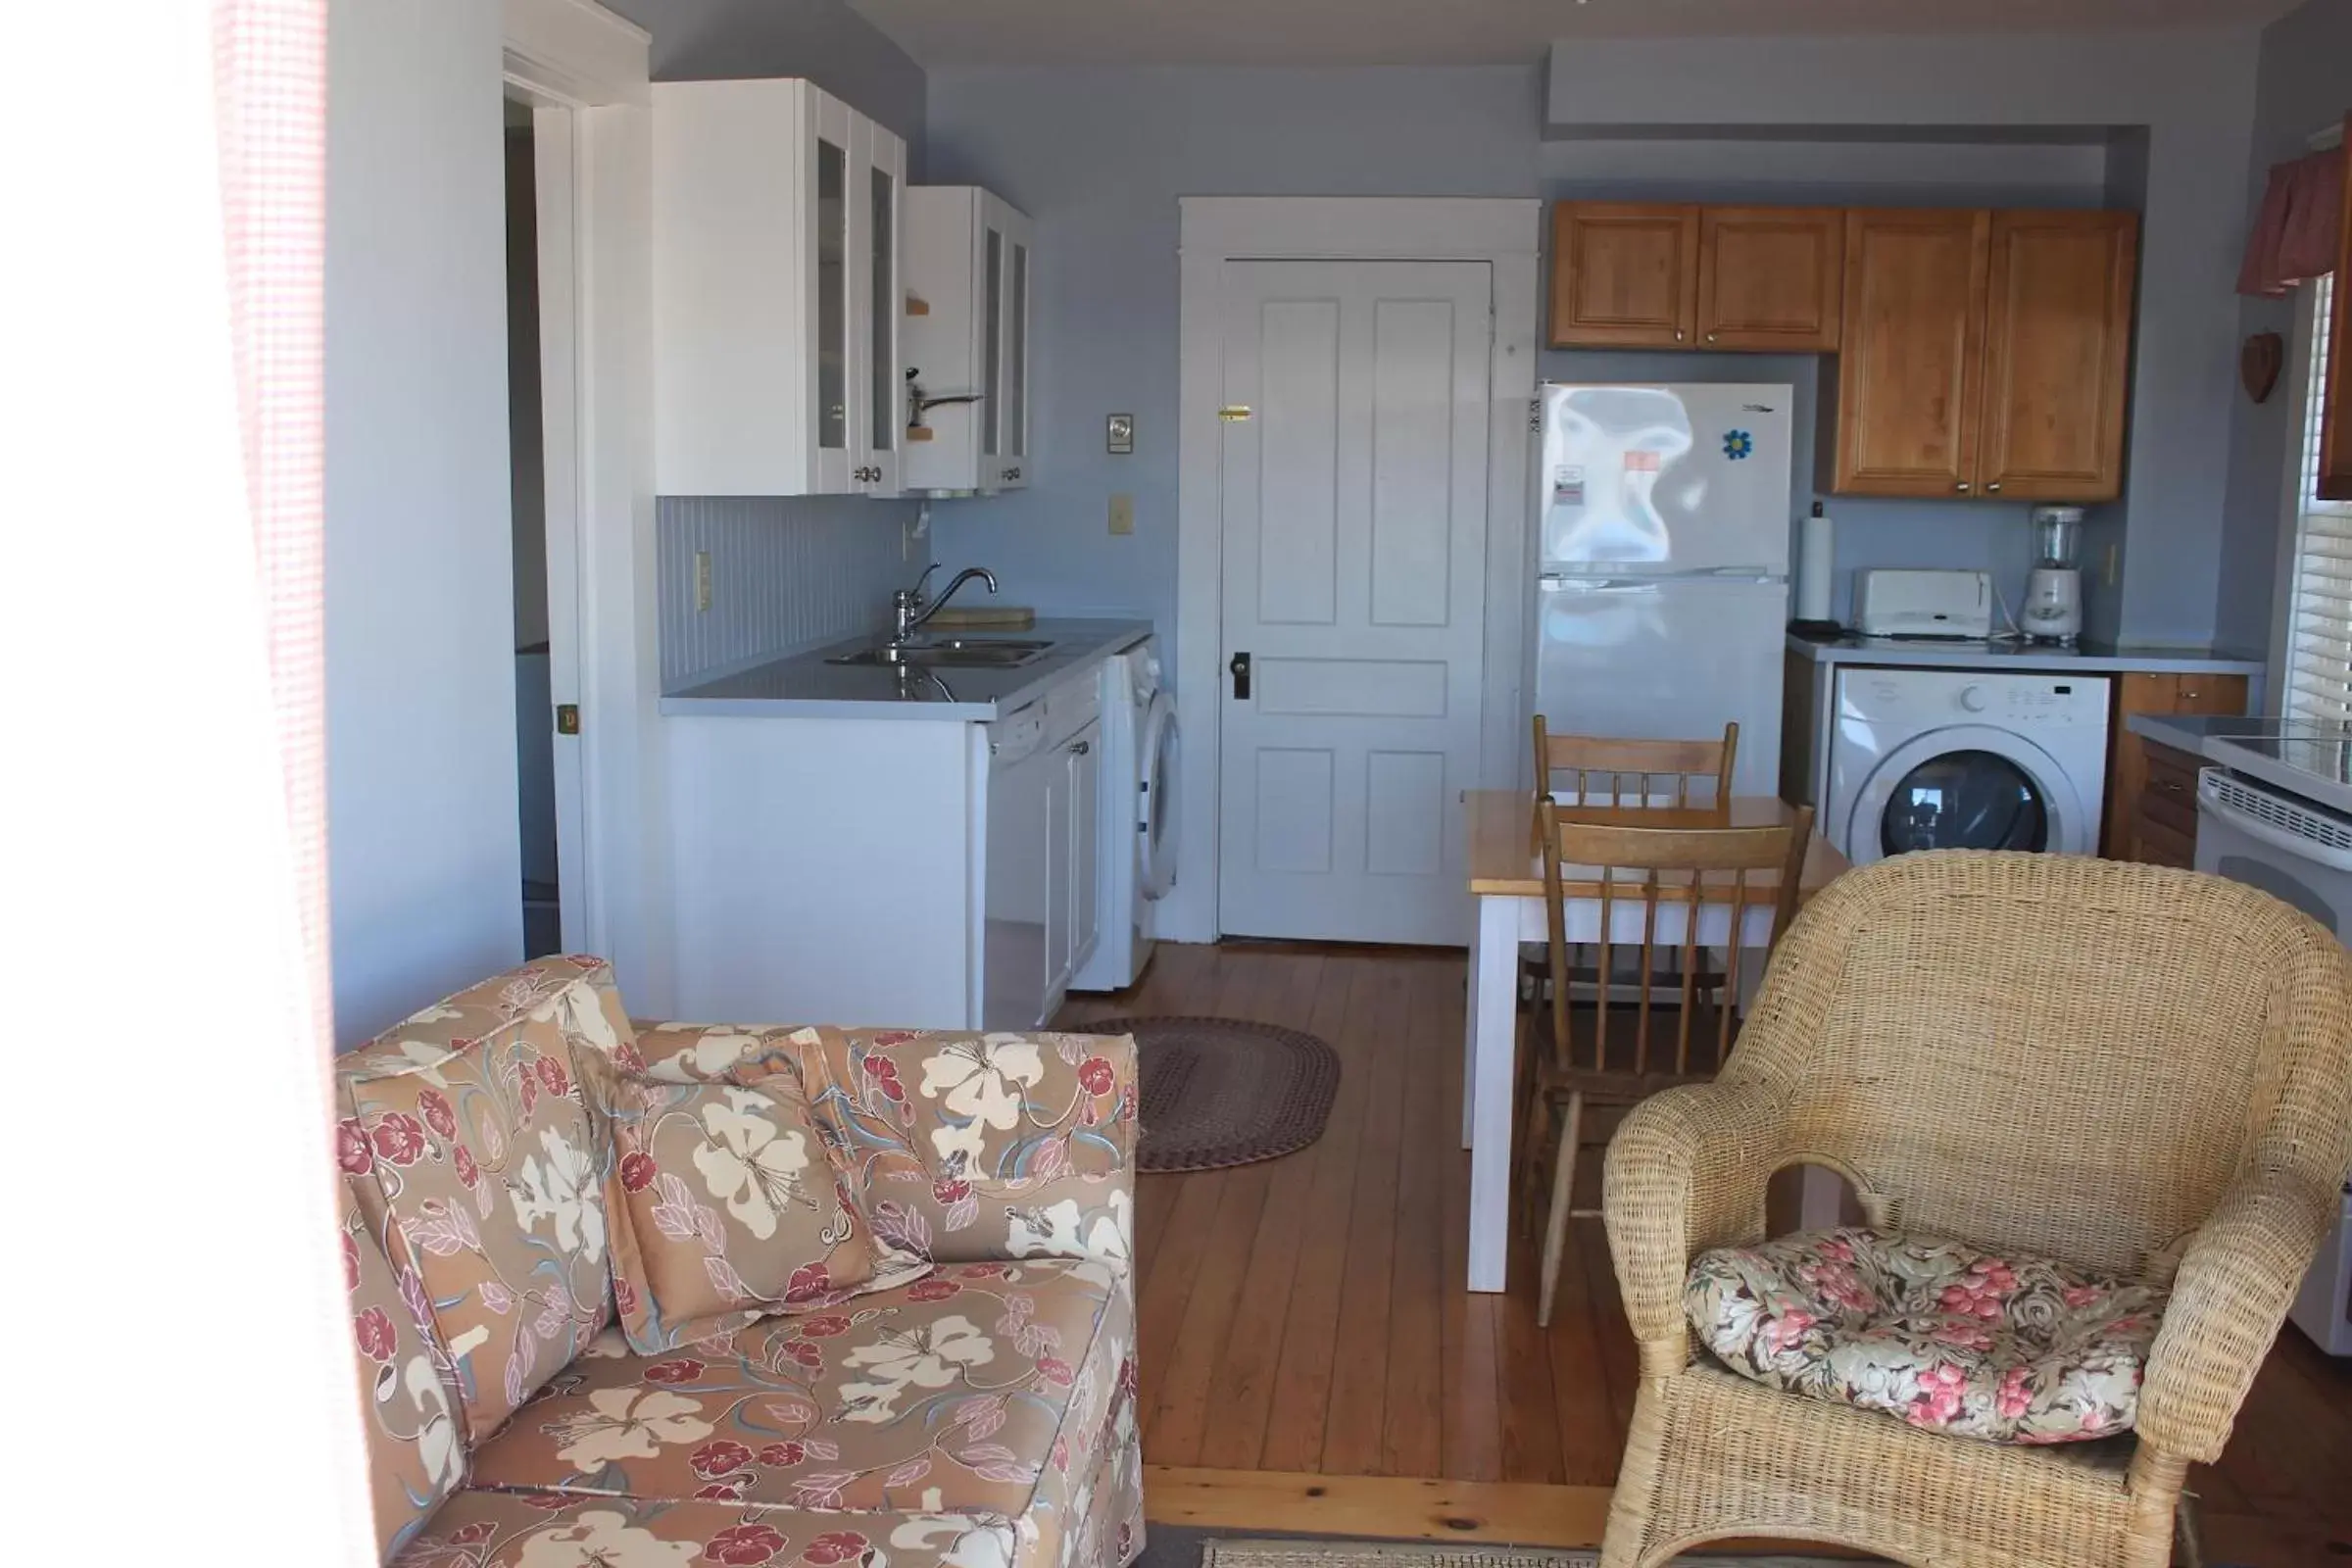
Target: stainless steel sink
pixel 972 653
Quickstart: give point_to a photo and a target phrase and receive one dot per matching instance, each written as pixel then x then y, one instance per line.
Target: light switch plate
pixel 1118 434
pixel 1123 513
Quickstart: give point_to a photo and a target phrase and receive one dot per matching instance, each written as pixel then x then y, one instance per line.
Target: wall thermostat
pixel 1118 434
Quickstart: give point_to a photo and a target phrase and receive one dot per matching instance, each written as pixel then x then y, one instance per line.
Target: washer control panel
pixel 2022 702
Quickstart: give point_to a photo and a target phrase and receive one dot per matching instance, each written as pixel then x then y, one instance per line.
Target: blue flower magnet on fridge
pixel 1738 444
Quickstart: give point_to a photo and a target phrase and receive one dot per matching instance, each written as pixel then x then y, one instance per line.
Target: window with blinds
pixel 2319 650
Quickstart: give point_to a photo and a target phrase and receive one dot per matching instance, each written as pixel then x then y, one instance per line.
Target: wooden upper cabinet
pixel 1911 357
pixel 1623 275
pixel 1770 277
pixel 2057 350
pixel 2336 410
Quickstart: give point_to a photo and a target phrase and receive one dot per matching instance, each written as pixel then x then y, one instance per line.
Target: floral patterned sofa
pixel 962 1391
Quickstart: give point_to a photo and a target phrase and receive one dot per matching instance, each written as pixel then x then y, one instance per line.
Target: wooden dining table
pixel 1506 880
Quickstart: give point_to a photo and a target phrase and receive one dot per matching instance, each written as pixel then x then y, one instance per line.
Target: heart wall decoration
pixel 2260 362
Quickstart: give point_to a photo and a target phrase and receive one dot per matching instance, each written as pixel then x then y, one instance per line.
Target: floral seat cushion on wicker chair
pixel 2012 1348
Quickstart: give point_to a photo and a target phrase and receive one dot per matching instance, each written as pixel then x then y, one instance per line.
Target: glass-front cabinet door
pixel 878 235
pixel 1005 420
pixel 830 279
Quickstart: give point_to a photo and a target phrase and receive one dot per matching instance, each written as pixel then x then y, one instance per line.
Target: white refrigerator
pixel 1663 589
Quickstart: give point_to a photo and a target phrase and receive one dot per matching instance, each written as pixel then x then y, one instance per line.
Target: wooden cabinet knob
pixel 1961 487
pixel 1995 485
pixel 1710 337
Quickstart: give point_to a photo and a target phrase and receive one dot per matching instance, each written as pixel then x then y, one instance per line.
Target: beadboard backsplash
pixel 787 573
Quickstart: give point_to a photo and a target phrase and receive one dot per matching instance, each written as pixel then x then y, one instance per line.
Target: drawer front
pixel 2158 843
pixel 2175 772
pixel 2167 806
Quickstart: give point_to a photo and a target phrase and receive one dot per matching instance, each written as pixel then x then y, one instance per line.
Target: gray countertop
pixel 2089 658
pixel 2188 732
pixel 805 686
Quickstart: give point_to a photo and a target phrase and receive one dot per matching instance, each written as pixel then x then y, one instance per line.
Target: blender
pixel 2054 592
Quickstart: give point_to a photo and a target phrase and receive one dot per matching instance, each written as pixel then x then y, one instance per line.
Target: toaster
pixel 1923 604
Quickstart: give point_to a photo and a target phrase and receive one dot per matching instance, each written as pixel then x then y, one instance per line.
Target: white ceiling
pixel 1332 33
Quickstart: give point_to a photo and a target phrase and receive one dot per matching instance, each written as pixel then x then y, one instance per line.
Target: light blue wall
pixel 1098 158
pixel 824 40
pixel 788 571
pixel 2304 83
pixel 1976 536
pixel 423 849
pixel 2193 93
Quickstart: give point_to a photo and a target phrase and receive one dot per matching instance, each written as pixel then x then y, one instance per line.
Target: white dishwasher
pixel 2255 832
pixel 1042 910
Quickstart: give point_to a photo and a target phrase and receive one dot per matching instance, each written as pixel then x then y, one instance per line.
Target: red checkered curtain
pixel 270 76
pixel 2295 234
pixel 176 1283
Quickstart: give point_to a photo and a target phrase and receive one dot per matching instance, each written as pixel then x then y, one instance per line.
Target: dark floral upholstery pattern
pixel 2012 1348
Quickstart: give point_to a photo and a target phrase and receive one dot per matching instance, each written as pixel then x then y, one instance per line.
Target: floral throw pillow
pixel 2009 1348
pixel 469 1153
pixel 727 1206
pixel 963 1146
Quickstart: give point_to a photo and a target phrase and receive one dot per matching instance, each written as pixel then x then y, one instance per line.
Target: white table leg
pixel 1470 1031
pixel 1493 1008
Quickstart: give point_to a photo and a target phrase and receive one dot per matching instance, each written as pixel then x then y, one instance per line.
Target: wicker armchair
pixel 2147 1072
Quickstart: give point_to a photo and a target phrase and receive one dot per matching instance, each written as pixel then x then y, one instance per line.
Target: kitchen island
pixel 906 845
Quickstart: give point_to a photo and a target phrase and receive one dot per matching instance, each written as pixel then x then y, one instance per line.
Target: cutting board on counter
pixel 983 617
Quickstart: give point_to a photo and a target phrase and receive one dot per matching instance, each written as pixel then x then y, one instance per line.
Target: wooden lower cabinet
pixel 2151 808
pixel 2163 818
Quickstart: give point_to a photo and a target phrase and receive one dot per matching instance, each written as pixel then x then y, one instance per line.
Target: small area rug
pixel 1375 1554
pixel 1221 1092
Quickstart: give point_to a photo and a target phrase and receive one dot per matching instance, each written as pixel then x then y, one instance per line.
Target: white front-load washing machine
pixel 1965 760
pixel 1138 859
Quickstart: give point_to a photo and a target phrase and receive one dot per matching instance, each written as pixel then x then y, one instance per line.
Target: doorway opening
pixel 534 689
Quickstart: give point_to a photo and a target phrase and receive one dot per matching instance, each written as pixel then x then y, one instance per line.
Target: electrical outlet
pixel 702 580
pixel 1123 513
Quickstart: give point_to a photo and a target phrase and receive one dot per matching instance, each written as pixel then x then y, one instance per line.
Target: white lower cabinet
pixel 929 873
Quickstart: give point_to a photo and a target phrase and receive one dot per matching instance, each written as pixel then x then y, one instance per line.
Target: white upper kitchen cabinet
pixel 778 223
pixel 969 258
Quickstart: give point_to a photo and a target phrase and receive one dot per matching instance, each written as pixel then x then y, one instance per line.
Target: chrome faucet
pixel 909 609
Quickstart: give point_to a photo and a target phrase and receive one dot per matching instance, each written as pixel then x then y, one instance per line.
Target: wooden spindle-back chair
pixel 1605 770
pixel 1695 877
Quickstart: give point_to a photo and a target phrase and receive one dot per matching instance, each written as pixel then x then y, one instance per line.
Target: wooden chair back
pixel 1605 770
pixel 1688 870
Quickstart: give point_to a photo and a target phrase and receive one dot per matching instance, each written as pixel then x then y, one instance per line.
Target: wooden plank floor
pixel 1304 1319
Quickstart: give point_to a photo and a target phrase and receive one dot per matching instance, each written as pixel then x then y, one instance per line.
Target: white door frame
pixel 1216 229
pixel 586 75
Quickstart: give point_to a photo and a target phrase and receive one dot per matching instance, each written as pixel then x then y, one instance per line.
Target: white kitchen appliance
pixel 2274 833
pixel 1907 603
pixel 1137 862
pixel 2055 590
pixel 1663 601
pixel 1965 760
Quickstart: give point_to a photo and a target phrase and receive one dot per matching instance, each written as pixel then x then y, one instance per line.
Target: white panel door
pixel 1354 499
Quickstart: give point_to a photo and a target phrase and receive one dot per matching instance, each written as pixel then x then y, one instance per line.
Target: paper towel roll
pixel 1814 554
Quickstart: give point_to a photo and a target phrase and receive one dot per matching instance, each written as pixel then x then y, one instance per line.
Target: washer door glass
pixel 1965 801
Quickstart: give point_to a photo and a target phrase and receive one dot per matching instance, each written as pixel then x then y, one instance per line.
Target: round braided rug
pixel 1219 1092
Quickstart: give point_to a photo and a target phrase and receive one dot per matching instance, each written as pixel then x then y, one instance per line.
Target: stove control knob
pixel 1971 697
